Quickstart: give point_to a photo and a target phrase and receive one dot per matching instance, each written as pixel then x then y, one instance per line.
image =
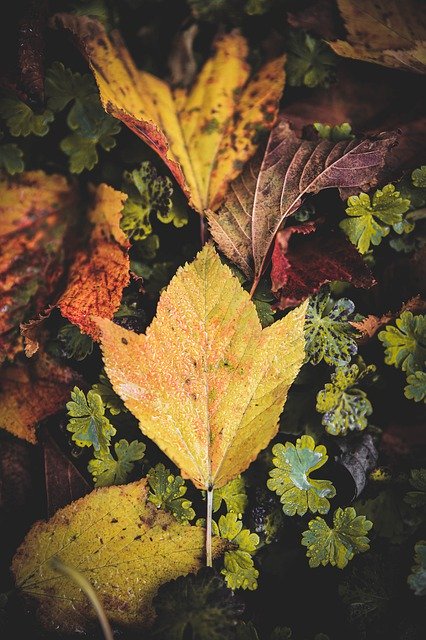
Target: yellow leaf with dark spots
pixel 206 383
pixel 122 544
pixel 204 134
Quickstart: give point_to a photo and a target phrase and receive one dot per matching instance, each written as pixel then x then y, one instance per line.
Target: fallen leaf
pixel 31 50
pixel 64 483
pixel 31 391
pixel 121 543
pixel 208 384
pixel 36 211
pixel 300 266
pixel 270 189
pixel 384 32
pixel 204 135
pixel 98 274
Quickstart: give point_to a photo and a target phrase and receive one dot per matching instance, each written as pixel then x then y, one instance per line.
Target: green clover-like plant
pixel 290 478
pixel 417 498
pixel 11 158
pixel 335 132
pixel 370 219
pixel 75 344
pixel 418 177
pixel 310 62
pixel 337 545
pixel 328 334
pixel 88 423
pixel 344 405
pixel 416 386
pixel 239 570
pixel 233 494
pixel 107 470
pixel 20 118
pixel 417 578
pixel 168 492
pixel 405 343
pixel 111 400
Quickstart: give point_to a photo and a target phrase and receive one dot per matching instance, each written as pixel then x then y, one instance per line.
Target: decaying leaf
pixel 121 543
pixel 35 211
pixel 31 391
pixel 300 266
pixel 271 188
pixel 385 32
pixel 208 384
pixel 204 135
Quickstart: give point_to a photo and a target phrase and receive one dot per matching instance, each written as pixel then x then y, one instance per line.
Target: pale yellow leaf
pixel 206 383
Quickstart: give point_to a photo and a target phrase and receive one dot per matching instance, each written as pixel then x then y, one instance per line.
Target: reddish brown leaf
pixel 100 271
pixel 31 50
pixel 271 188
pixel 31 390
pixel 64 483
pixel 36 211
pixel 301 265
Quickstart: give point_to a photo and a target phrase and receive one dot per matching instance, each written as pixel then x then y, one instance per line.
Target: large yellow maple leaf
pixel 206 382
pixel 204 135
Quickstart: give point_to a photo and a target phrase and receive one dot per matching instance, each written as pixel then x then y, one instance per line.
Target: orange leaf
pixel 32 390
pixel 35 211
pixel 204 135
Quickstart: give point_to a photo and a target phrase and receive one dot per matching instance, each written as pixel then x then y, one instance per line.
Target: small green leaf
pixel 11 158
pixel 63 86
pixel 340 544
pixel 417 578
pixel 81 151
pixel 233 494
pixel 418 177
pixel 107 470
pixel 370 220
pixel 21 119
pixel 417 498
pixel 196 606
pixel 334 132
pixel 344 405
pixel 290 478
pixel 328 334
pixel 168 491
pixel 149 195
pixel 405 344
pixel 239 569
pixel 310 62
pixel 416 387
pixel 75 344
pixel 111 400
pixel 88 423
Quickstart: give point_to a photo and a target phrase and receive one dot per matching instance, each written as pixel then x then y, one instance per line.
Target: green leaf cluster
pixel 21 119
pixel 238 569
pixel 291 481
pixel 217 10
pixel 168 492
pixel 11 157
pixel 197 606
pixel 328 334
pixel 149 195
pixel 91 127
pixel 417 577
pixel 371 219
pixel 344 405
pixel 418 177
pixel 107 470
pixel 74 343
pixel 310 62
pixel 110 399
pixel 417 498
pixel 339 544
pixel 88 423
pixel 233 494
pixel 335 133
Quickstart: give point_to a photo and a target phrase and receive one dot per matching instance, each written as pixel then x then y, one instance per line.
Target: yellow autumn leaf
pixel 204 134
pixel 386 32
pixel 206 383
pixel 120 542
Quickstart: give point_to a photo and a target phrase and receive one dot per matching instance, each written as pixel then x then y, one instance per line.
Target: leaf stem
pixel 209 560
pixel 85 586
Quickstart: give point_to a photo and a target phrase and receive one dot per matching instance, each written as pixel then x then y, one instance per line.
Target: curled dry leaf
pixel 271 188
pixel 385 32
pixel 300 266
pixel 98 274
pixel 36 211
pixel 32 390
pixel 205 134
pixel 122 544
pixel 208 385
